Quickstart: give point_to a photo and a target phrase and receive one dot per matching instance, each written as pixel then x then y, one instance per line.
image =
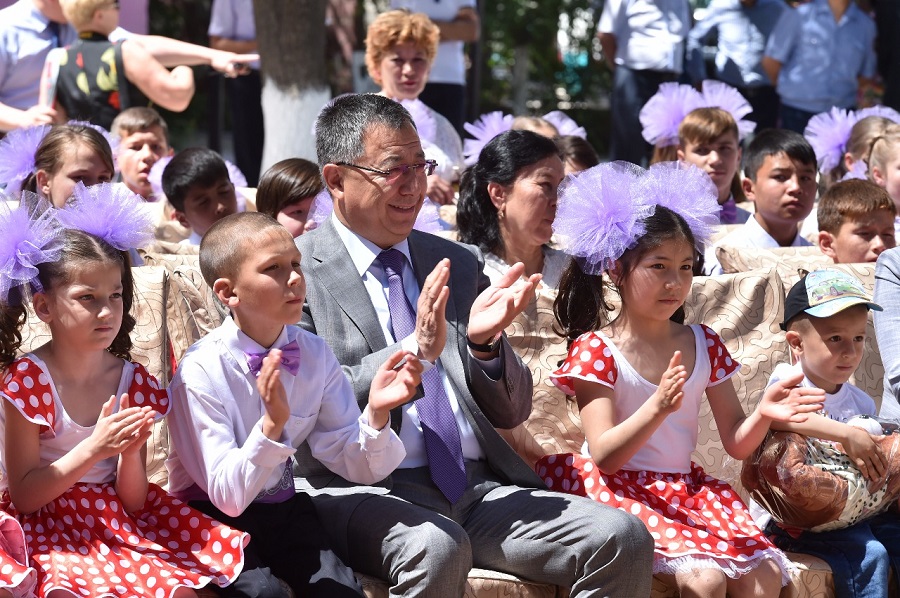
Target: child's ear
pixel 497 193
pixel 334 180
pixel 680 154
pixel 878 177
pixel 826 245
pixel 748 187
pixel 615 273
pixel 42 180
pixel 41 307
pixel 224 291
pixel 795 342
pixel 180 217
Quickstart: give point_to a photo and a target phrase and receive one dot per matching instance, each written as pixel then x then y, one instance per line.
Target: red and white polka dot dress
pixel 16 575
pixel 84 542
pixel 696 521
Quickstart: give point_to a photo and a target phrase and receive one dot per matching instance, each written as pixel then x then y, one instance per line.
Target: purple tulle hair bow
pixel 482 131
pixel 112 212
pixel 882 111
pixel 686 190
pixel 859 170
pixel 17 151
pixel 661 116
pixel 828 133
pixel 421 114
pixel 596 220
pixel 564 124
pixel 29 238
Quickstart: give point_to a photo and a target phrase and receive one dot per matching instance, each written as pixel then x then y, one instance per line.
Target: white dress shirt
pixel 217 443
pixel 364 253
pixel 751 234
pixel 650 34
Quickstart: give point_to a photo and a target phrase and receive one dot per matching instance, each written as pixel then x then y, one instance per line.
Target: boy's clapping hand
pixel 394 384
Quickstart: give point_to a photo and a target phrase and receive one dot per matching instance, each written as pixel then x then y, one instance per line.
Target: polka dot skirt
pixel 15 574
pixel 696 521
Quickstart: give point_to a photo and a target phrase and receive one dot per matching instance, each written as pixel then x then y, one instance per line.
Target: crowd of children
pixel 79 516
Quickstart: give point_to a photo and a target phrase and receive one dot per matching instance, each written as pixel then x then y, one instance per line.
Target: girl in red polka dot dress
pixel 76 416
pixel 639 378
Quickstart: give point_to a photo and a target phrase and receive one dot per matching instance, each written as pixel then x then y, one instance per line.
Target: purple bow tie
pixel 290 359
pixel 728 212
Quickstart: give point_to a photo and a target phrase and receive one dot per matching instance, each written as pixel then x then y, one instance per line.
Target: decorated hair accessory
pixel 112 212
pixel 596 220
pixel 663 113
pixel 882 111
pixel 29 238
pixel 483 130
pixel 17 151
pixel 720 95
pixel 564 124
pixel 859 170
pixel 828 133
pixel 426 126
pixel 686 190
pixel 322 206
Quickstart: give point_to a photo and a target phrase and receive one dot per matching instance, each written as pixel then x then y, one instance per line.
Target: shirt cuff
pixel 410 345
pixel 371 438
pixel 265 452
pixel 492 367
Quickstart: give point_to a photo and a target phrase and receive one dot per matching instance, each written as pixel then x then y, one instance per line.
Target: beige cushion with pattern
pixel 481 584
pixel 151 349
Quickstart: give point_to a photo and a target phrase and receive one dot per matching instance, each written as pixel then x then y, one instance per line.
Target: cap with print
pixel 823 293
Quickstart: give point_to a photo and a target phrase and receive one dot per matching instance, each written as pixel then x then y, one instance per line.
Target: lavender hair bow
pixel 564 124
pixel 112 212
pixel 17 151
pixel 686 190
pixel 828 133
pixel 483 130
pixel 29 238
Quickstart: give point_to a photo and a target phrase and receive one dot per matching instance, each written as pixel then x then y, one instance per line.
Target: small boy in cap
pixel 825 317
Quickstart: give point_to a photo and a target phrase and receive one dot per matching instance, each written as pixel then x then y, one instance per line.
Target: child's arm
pixel 856 442
pixel 31 485
pixel 131 471
pixel 782 401
pixel 612 445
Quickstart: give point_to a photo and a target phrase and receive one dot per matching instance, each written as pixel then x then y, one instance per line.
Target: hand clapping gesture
pixel 273 395
pixel 124 431
pixel 670 392
pixel 785 401
pixel 496 307
pixel 394 384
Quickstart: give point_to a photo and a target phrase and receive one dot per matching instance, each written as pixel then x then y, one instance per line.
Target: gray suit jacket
pixel 887 328
pixel 339 310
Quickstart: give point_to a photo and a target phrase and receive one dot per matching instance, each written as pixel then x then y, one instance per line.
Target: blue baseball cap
pixel 823 293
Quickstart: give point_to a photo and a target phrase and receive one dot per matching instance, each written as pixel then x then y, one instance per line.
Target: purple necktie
pixel 442 443
pixel 290 359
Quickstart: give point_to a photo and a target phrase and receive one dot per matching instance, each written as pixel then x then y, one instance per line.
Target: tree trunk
pixel 291 39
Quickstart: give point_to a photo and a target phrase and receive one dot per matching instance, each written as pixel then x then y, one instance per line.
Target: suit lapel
pixel 338 274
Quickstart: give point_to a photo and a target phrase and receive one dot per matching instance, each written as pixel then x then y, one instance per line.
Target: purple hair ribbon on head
pixel 828 133
pixel 663 113
pixel 721 95
pixel 596 219
pixel 29 238
pixel 322 207
pixel 882 111
pixel 421 114
pixel 17 151
pixel 564 124
pixel 112 212
pixel 483 130
pixel 686 190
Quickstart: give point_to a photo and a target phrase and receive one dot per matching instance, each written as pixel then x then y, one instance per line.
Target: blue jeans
pixel 860 556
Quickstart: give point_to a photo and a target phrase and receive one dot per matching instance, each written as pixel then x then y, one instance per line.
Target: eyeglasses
pixel 113 4
pixel 394 174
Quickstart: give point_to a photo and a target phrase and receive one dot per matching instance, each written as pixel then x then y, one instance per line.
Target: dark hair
pixel 228 241
pixel 851 200
pixel 79 248
pixel 193 167
pixel 343 123
pixel 500 162
pixel 49 154
pixel 577 150
pixel 771 142
pixel 285 183
pixel 582 305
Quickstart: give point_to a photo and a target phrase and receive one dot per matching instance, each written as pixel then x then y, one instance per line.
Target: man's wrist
pixel 490 346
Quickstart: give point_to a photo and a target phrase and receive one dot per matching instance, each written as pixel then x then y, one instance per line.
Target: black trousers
pixel 288 543
pixel 245 95
pixel 449 100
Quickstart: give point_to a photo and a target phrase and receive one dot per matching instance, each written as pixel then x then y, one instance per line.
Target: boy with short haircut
pixel 251 391
pixel 197 184
pixel 143 140
pixel 856 221
pixel 780 179
pixel 825 318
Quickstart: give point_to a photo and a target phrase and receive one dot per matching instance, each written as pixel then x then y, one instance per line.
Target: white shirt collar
pixel 362 251
pixel 239 344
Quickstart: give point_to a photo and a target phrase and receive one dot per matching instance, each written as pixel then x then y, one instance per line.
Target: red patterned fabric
pixel 589 359
pixel 15 574
pixel 696 520
pixel 720 361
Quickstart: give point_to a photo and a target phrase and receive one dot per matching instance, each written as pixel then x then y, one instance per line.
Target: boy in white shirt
pixel 251 391
pixel 825 323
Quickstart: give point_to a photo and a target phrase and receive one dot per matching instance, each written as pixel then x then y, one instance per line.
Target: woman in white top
pixel 507 203
pixel 400 48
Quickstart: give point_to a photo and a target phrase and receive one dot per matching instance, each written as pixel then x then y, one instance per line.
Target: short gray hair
pixel 342 124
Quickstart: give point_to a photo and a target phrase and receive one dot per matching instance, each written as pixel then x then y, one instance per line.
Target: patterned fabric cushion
pixel 151 349
pixel 481 584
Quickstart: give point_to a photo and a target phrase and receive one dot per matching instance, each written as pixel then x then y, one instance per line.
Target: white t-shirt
pixel 847 402
pixel 650 34
pixel 450 64
pixel 751 234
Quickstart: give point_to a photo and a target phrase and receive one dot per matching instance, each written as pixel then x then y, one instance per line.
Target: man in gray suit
pixel 462 496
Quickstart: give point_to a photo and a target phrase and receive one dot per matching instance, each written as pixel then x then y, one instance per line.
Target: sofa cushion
pixel 481 584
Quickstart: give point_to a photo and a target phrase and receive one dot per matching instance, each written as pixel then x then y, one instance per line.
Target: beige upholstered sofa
pixel 174 308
